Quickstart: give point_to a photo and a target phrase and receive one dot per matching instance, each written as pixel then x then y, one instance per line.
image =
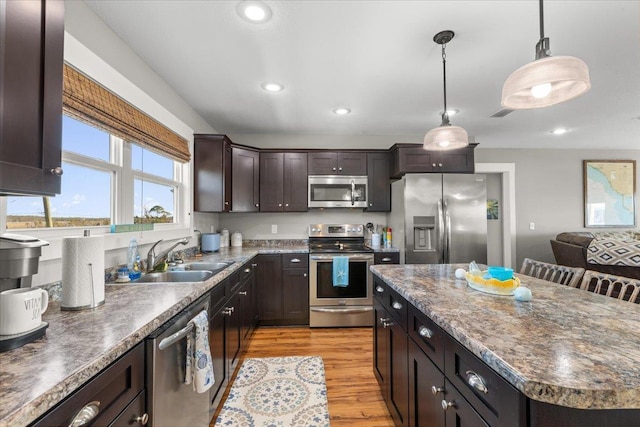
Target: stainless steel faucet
pixel 153 260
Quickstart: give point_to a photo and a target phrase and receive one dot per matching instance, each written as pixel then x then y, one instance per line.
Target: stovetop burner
pixel 337 238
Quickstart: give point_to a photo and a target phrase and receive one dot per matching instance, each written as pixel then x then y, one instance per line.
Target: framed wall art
pixel 609 193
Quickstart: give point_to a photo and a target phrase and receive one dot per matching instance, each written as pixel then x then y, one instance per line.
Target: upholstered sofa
pixel 616 253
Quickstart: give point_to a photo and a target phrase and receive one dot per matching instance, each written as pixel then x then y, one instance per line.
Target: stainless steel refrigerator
pixel 439 218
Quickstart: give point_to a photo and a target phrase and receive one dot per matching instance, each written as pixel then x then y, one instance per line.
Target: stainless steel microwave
pixel 335 191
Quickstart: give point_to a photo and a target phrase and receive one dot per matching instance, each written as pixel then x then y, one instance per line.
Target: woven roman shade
pixel 88 101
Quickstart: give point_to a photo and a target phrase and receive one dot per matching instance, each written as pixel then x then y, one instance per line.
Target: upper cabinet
pixel 245 179
pixel 283 182
pixel 31 56
pixel 378 182
pixel 337 163
pixel 212 173
pixel 412 158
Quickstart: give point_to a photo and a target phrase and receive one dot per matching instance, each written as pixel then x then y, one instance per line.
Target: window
pixel 106 181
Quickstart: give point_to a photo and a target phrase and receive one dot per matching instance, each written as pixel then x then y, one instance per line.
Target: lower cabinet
pixel 282 284
pixel 429 379
pixel 115 397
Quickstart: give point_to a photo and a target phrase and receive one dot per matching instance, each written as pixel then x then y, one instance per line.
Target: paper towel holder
pixel 75 302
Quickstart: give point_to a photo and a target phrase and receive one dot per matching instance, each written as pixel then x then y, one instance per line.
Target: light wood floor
pixel 352 390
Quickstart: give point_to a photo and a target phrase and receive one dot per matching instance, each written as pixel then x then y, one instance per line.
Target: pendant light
pixel 445 136
pixel 547 80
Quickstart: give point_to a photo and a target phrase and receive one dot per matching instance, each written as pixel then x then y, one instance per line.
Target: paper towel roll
pixel 82 272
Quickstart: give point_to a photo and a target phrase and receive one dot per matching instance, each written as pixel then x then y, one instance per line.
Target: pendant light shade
pixel 445 137
pixel 546 81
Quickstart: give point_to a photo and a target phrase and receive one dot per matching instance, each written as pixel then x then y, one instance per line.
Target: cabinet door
pixel 212 173
pixel 295 295
pixel 245 171
pixel 295 182
pixel 412 160
pixel 459 161
pixel 378 182
pixel 269 286
pixel 31 96
pixel 425 409
pixel 233 331
pixel 323 163
pixel 352 163
pixel 246 298
pixel 217 347
pixel 380 346
pixel 272 182
pixel 459 412
pixel 398 374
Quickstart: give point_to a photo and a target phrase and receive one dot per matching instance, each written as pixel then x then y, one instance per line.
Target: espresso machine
pixel 19 260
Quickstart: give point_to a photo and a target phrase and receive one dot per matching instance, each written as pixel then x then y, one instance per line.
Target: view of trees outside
pixel 86 196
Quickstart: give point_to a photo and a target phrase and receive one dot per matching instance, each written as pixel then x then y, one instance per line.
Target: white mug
pixel 375 239
pixel 21 309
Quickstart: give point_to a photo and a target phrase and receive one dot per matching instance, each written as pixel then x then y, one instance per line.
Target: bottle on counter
pixel 224 238
pixel 388 241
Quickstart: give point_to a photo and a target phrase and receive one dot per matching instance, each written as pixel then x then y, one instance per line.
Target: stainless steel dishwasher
pixel 172 402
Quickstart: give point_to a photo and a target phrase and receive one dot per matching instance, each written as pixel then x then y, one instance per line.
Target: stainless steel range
pixel 332 305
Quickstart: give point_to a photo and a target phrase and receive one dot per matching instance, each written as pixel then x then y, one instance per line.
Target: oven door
pixel 321 289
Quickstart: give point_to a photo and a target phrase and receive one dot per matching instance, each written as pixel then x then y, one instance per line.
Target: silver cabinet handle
pixel 57 171
pixel 304 275
pixel 370 204
pixel 333 169
pixel 435 390
pixel 295 261
pixel 440 164
pixel 243 293
pixel 476 381
pixel 433 165
pixel 386 259
pixel 247 270
pixel 142 419
pixel 286 205
pixel 446 405
pixel 279 205
pixel 425 332
pixel 85 414
pixel 379 289
pixel 385 322
pixel 227 311
pixel 254 265
pixel 340 169
pixel 396 305
pixel 257 205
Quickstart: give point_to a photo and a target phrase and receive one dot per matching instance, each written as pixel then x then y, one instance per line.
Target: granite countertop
pixel 79 344
pixel 567 346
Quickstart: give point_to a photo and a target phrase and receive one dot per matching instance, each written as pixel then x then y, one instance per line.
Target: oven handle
pixel 351 257
pixel 363 309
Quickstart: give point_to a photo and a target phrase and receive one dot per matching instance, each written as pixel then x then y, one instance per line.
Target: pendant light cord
pixel 541 21
pixel 543 49
pixel 445 115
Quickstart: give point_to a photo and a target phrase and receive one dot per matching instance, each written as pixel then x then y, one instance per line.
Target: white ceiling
pixel 378 58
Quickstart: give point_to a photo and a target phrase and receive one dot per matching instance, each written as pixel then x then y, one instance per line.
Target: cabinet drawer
pixel 392 301
pixel 386 258
pixel 134 414
pixel 114 388
pixel 233 282
pixel 295 260
pixel 496 401
pixel 428 336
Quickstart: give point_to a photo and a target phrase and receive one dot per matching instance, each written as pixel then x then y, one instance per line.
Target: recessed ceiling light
pixel 341 111
pixel 560 131
pixel 272 87
pixel 254 11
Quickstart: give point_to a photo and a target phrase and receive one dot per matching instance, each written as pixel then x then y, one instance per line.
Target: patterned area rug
pixel 277 391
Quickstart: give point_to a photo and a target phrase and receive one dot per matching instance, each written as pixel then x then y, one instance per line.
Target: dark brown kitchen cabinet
pixel 247 297
pixel 459 412
pixel 269 284
pixel 216 343
pixel 337 163
pixel 412 158
pixel 283 289
pixel 283 182
pixel 390 363
pixel 245 180
pixel 386 258
pixel 31 58
pixel 379 182
pixel 426 390
pixel 212 173
pixel 116 388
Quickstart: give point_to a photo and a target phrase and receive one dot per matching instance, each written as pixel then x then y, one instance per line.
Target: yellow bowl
pixel 493 286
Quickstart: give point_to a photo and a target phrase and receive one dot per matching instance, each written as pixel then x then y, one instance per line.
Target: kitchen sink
pixel 176 276
pixel 216 267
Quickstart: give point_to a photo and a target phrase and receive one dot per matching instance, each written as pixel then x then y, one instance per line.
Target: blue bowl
pixel 501 273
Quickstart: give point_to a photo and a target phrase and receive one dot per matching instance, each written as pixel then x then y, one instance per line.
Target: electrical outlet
pixel 532 226
pixel 274 228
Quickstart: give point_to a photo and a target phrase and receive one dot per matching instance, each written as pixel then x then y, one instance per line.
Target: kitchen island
pixel 567 354
pixel 80 344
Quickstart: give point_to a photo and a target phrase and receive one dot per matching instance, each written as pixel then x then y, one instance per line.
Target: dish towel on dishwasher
pixel 199 366
pixel 340 271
